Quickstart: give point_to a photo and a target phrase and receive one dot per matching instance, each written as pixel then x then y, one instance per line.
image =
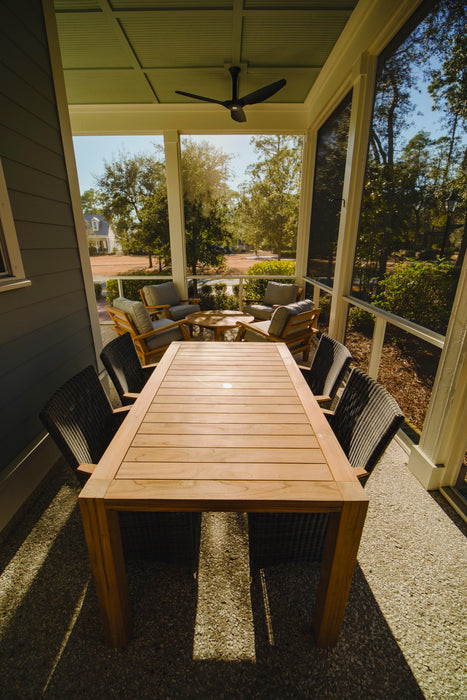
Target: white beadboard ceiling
pixel 137 52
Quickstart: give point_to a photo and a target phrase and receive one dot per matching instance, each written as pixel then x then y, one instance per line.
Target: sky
pixel 92 151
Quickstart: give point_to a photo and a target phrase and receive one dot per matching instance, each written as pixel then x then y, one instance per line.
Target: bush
pixel 256 288
pixel 360 320
pixel 216 297
pixel 422 292
pixel 97 289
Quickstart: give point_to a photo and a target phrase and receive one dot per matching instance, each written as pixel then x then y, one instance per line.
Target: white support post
pixel 175 207
pixel 376 347
pixel 436 460
pixel 360 121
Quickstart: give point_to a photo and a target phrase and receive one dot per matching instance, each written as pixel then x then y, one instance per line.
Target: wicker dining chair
pixel 124 368
pixel 365 421
pixel 81 421
pixel 328 368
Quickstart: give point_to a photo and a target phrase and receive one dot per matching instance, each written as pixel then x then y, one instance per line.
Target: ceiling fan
pixel 236 104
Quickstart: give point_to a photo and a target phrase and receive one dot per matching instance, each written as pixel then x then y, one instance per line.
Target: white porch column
pixel 360 119
pixel 436 460
pixel 175 207
pixel 306 194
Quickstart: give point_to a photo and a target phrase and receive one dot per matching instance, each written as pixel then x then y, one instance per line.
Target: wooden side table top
pixel 219 320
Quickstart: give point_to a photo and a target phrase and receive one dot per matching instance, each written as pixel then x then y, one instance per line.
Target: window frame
pixel 14 275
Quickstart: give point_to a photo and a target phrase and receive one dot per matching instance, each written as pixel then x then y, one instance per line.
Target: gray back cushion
pixel 137 312
pixel 282 314
pixel 165 293
pixel 279 293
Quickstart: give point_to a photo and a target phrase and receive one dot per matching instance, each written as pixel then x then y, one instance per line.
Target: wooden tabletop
pixel 228 426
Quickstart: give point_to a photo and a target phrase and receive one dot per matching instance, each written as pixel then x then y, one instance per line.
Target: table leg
pixel 339 559
pixel 218 334
pixel 102 533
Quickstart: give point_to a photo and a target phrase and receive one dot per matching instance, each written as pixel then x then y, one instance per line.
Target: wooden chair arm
pixel 131 394
pixel 321 398
pixel 327 412
pixel 122 409
pixel 153 365
pixel 86 468
pixel 360 472
pixel 169 327
pixel 252 327
pixel 189 301
pixel 158 307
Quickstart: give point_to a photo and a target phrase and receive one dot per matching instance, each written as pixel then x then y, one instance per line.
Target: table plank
pixel 220 470
pixel 233 441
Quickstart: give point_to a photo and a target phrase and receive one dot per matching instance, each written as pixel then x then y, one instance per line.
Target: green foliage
pixel 97 289
pixel 360 320
pixel 216 297
pixel 130 287
pixel 256 288
pixel 269 203
pixel 422 292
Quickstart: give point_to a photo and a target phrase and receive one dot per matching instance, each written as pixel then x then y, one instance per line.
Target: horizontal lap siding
pixel 45 328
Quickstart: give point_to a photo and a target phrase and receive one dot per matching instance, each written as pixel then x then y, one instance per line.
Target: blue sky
pixel 92 151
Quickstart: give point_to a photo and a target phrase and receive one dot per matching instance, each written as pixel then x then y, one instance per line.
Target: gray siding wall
pixel 45 334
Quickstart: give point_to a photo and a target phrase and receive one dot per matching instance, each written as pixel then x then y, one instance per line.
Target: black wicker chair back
pixel 365 420
pixel 124 368
pixel 328 368
pixel 80 420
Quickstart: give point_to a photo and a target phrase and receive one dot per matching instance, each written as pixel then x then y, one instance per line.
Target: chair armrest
pixel 189 301
pixel 150 334
pixel 320 398
pixel 360 472
pixel 151 366
pixel 122 409
pixel 86 468
pixel 327 412
pixel 252 327
pixel 130 395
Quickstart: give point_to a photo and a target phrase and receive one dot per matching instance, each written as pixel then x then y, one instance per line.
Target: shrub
pixel 420 291
pixel 360 320
pixel 216 297
pixel 97 289
pixel 256 288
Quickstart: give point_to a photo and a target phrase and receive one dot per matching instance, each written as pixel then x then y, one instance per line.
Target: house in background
pixel 100 235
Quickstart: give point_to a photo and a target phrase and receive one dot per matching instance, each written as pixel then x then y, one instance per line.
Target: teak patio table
pixel 218 320
pixel 224 427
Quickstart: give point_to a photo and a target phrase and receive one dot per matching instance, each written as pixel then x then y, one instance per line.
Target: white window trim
pixel 9 246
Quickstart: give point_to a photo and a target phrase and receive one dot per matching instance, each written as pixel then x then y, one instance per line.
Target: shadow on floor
pixel 52 644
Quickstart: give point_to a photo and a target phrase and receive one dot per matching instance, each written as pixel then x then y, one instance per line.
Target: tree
pixel 91 202
pixel 273 191
pixel 206 198
pixel 133 192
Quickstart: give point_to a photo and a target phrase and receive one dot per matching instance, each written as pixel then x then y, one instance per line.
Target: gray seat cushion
pixel 165 293
pixel 182 310
pixel 252 337
pixel 281 315
pixel 137 312
pixel 260 311
pixel 163 338
pixel 280 293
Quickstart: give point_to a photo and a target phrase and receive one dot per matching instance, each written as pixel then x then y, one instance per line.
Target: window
pixel 11 265
pixel 331 153
pixel 95 224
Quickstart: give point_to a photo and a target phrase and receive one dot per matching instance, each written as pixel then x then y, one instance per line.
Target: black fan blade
pixel 198 97
pixel 238 115
pixel 263 93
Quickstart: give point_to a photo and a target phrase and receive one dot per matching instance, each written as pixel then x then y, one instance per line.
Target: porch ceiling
pixel 136 53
